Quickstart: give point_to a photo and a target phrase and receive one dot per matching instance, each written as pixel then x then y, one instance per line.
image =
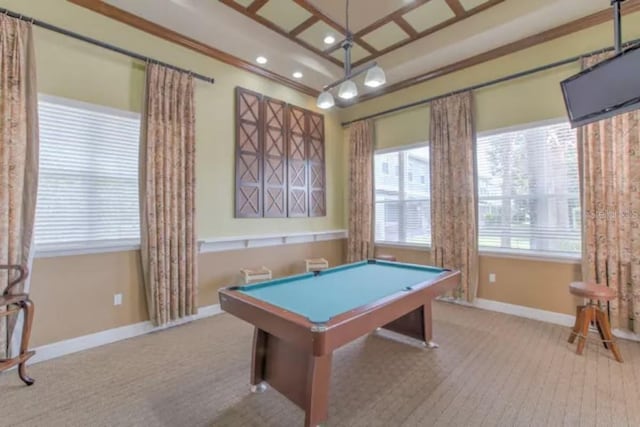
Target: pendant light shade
pixel 325 100
pixel 375 77
pixel 348 90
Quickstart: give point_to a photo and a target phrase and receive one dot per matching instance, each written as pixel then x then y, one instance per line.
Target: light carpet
pixel 491 370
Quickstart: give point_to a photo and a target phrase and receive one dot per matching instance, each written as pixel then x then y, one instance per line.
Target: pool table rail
pixel 272 319
pixel 293 354
pixel 322 338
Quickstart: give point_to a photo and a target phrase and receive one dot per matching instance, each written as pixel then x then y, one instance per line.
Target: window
pixel 88 185
pixel 528 190
pixel 385 168
pixel 403 210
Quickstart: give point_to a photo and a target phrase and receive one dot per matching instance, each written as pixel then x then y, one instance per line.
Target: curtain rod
pixel 489 83
pixel 103 45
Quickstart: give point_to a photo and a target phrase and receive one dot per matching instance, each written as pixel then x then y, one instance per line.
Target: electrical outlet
pixel 117 299
pixel 492 277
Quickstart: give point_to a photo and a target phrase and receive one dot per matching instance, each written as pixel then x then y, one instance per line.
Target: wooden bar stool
pixel 592 312
pixel 14 303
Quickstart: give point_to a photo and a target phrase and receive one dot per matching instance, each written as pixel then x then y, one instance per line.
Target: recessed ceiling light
pixel 329 40
pixel 261 60
pixel 297 75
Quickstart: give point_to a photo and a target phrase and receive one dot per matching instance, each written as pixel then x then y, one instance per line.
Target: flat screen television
pixel 605 90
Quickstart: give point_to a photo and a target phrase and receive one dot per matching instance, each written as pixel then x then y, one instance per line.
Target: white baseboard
pixel 626 335
pixel 62 348
pixel 541 315
pixel 85 342
pixel 528 312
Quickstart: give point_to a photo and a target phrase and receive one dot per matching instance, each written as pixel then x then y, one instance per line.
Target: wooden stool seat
pixel 592 291
pixel 385 257
pixel 593 313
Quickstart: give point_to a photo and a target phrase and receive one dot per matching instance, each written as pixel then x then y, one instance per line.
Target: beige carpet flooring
pixel 490 370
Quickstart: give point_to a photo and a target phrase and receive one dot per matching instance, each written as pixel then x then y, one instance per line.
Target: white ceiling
pixel 218 25
pixel 361 13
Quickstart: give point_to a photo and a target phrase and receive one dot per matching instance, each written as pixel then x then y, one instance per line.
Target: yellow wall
pixel 534 283
pixel 73 69
pixel 74 294
pixel 531 282
pixel 525 100
pixel 404 128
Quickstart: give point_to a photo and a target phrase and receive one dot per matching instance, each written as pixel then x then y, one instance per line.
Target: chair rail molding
pixel 220 244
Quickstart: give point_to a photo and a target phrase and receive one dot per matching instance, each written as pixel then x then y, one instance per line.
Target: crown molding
pixel 605 15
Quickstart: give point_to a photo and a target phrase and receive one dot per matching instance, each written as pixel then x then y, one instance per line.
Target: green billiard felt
pixel 337 290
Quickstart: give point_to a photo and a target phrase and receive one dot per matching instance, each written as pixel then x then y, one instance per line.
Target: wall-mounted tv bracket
pixel 617 24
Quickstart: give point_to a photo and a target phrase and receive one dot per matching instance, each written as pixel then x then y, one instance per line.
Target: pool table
pixel 300 320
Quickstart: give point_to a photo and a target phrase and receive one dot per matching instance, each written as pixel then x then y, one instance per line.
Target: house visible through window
pixel 88 184
pixel 528 190
pixel 403 211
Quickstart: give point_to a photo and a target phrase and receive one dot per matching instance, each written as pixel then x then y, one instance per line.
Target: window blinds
pixel 528 190
pixel 88 182
pixel 403 210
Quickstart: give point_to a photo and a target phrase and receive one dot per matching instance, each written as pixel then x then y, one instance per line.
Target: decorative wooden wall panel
pixel 249 195
pixel 297 141
pixel 280 160
pixel 317 187
pixel 275 159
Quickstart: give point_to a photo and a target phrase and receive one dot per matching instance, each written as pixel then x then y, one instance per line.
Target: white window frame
pixel 87 247
pixel 527 254
pixel 392 244
pixel 497 252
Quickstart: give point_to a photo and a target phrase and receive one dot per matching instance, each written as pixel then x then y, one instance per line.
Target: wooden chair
pixel 14 303
pixel 592 312
pixel 385 257
pixel 258 275
pixel 316 264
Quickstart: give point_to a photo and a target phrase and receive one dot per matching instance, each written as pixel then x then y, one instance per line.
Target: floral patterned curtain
pixel 167 190
pixel 360 243
pixel 18 159
pixel 609 153
pixel 454 226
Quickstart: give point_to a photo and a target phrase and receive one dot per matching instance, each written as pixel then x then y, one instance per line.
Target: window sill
pixel 402 245
pixel 533 256
pixel 530 256
pixel 86 248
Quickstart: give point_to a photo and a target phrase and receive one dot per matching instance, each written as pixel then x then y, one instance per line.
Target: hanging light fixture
pixel 375 76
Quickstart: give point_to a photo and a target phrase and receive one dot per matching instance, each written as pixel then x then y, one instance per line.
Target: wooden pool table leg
pixel 302 377
pixel 428 326
pixel 258 361
pixel 317 396
pixel 416 324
